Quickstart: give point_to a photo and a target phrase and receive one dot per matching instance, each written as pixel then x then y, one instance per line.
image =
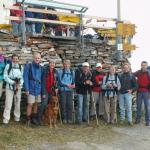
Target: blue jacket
pixel 65 77
pixel 29 15
pixel 2 66
pixel 33 78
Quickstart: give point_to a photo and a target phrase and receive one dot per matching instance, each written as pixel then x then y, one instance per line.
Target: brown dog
pixel 51 112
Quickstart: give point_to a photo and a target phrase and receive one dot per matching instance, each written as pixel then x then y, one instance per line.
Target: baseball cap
pixel 98 65
pixel 85 64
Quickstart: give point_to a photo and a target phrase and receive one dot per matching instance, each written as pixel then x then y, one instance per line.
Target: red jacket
pixel 97 77
pixel 50 82
pixel 18 13
pixel 143 80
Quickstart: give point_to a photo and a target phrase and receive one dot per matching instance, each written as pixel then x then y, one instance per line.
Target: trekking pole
pixel 88 109
pixel 73 108
pixel 93 101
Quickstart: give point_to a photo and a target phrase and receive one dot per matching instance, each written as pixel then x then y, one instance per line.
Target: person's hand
pixel 129 91
pixel 115 85
pixel 73 86
pixel 43 96
pixel 110 85
pixel 88 82
pixel 100 82
pixel 56 91
pixel 27 93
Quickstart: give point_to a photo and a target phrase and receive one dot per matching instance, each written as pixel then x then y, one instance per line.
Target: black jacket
pixel 80 78
pixel 128 82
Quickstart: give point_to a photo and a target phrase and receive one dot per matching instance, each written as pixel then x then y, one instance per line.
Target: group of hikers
pixel 37 28
pixel 98 93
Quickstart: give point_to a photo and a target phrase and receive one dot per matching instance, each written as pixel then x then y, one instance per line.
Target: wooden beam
pixel 55 22
pixel 45 11
pixel 42 20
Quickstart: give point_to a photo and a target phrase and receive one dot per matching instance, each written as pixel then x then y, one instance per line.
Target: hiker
pixel 143 80
pixel 33 85
pixel 97 78
pixel 13 76
pixel 2 67
pixel 128 86
pixel 38 25
pixel 111 85
pixel 30 26
pixel 49 87
pixel 17 24
pixel 66 82
pixel 83 83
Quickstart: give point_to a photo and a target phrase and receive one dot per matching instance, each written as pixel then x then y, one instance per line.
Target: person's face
pixel 15 59
pixel 85 68
pixel 126 68
pixel 66 65
pixel 37 58
pixel 52 65
pixel 112 70
pixel 144 66
pixel 98 68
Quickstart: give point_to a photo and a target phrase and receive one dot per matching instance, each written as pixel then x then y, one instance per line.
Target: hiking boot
pixel 130 123
pixel 4 125
pixel 70 122
pixel 92 117
pixel 64 121
pixel 137 122
pixel 28 123
pixel 35 122
pixel 121 122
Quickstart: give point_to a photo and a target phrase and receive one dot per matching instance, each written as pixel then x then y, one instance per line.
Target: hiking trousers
pixel 99 102
pixel 1 88
pixel 110 104
pixel 8 105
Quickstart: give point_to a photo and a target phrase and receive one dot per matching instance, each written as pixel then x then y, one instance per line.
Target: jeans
pixel 17 28
pixel 66 101
pixel 30 28
pixel 83 107
pixel 125 103
pixel 43 105
pixel 38 27
pixel 143 96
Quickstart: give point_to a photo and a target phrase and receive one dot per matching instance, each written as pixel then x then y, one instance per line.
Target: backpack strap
pixel 10 67
pixel 71 73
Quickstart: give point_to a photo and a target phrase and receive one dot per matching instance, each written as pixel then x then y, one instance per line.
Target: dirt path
pixel 116 138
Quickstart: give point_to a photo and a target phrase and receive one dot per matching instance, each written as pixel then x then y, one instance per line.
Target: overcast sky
pixel 136 11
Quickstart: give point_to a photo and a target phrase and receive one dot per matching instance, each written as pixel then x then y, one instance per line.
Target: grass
pixel 21 137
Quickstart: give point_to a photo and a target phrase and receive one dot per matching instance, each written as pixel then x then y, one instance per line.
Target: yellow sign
pixel 73 19
pixel 107 32
pixel 6 27
pixel 124 29
pixel 128 47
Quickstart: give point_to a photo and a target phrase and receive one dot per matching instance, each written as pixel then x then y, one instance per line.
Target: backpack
pixel 71 73
pixel 115 90
pixel 10 67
